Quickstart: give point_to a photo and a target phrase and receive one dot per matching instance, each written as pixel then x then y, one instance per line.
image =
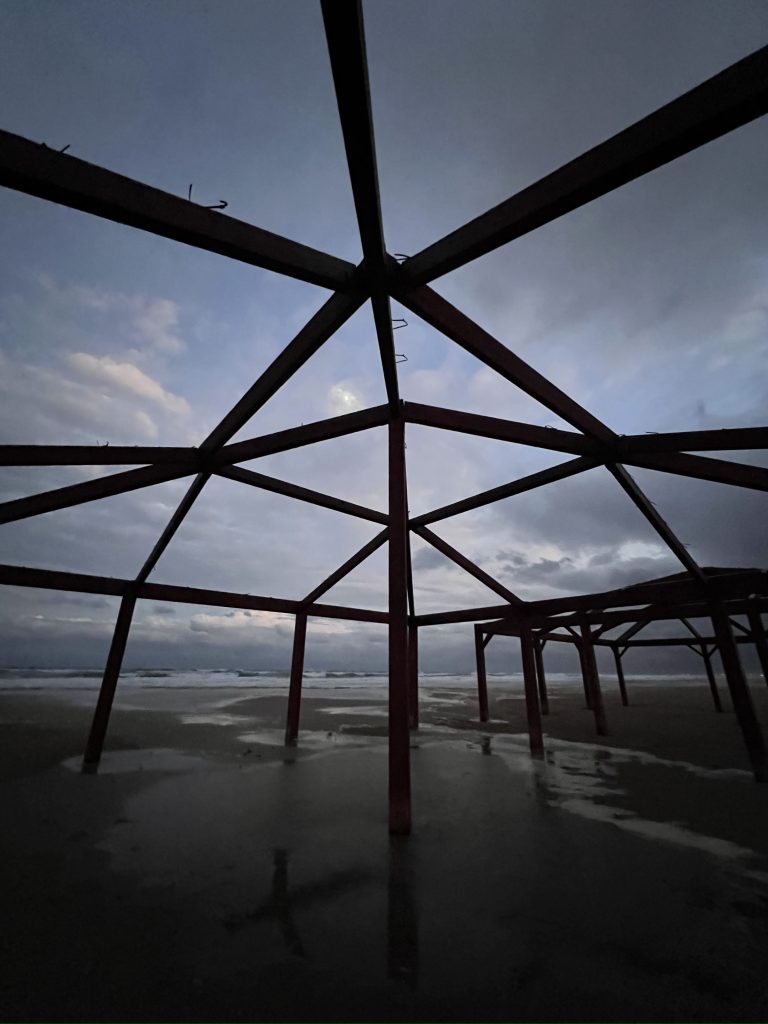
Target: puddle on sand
pixel 581 778
pixel 314 740
pixel 158 759
pixel 214 719
pixel 368 710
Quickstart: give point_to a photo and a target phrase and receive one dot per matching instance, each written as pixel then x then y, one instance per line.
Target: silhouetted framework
pixel 734 97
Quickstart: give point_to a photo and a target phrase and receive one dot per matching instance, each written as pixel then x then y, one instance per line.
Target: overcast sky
pixel 650 306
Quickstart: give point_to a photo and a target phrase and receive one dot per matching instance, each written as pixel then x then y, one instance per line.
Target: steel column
pixel 593 681
pixel 532 708
pixel 711 678
pixel 620 676
pixel 399 739
pixel 584 675
pixel 297 675
pixel 100 722
pixel 758 639
pixel 740 695
pixel 538 650
pixel 413 676
pixel 482 685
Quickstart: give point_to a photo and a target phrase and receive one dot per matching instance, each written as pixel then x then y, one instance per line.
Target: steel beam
pixel 474 570
pixel 757 632
pixel 440 314
pixel 345 35
pixel 347 567
pixel 541 679
pixel 730 99
pixel 172 526
pixel 620 675
pixel 399 740
pixel 592 678
pixel 718 471
pixel 94 455
pixel 297 437
pixel 109 680
pixel 740 695
pixel 35 169
pixel 532 709
pixel 482 682
pixel 521 486
pixel 275 486
pixel 297 673
pixel 729 439
pixel 711 678
pixel 91 490
pixel 413 676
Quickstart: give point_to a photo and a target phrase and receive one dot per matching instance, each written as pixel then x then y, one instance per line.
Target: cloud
pixel 129 379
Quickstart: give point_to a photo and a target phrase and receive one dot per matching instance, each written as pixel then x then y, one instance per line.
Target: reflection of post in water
pixel 282 904
pixel 402 920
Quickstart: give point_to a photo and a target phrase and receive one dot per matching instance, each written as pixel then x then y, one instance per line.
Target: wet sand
pixel 206 873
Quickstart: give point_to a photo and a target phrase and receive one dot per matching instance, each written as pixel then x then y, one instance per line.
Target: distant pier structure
pixel 734 97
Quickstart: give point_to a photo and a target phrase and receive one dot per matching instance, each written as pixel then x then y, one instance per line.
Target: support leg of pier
pixel 538 652
pixel 413 677
pixel 620 676
pixel 740 695
pixel 584 676
pixel 399 737
pixel 482 685
pixel 757 630
pixel 297 675
pixel 593 681
pixel 532 708
pixel 95 743
pixel 711 678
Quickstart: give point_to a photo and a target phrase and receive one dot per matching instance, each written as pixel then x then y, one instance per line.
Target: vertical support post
pixel 584 675
pixel 758 639
pixel 742 701
pixel 482 685
pixel 95 743
pixel 531 692
pixel 538 652
pixel 592 680
pixel 413 676
pixel 620 675
pixel 297 675
pixel 711 677
pixel 399 740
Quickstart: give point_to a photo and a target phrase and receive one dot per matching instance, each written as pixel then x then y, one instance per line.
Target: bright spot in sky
pixel 341 399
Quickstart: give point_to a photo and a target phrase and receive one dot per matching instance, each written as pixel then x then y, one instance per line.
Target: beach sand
pixel 207 873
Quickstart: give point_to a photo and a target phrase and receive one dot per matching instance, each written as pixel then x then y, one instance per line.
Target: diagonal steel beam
pixel 526 483
pixel 468 566
pixel 633 491
pixel 173 525
pixel 270 483
pixel 737 474
pixel 345 35
pixel 440 314
pixel 730 99
pixel 307 433
pixel 725 440
pixel 350 564
pixel 91 490
pixel 328 319
pixel 38 171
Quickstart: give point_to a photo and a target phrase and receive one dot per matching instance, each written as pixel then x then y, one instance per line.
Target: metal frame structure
pixel 732 98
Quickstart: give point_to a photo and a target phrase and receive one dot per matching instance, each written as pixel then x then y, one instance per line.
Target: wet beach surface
pixel 208 873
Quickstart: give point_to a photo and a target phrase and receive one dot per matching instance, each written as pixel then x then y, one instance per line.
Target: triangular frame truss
pixel 732 98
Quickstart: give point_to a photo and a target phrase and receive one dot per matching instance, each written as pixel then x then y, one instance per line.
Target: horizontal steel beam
pixel 730 99
pixel 94 455
pixel 48 579
pixel 91 490
pixel 39 171
pixel 270 483
pixel 720 471
pixel 728 439
pixel 501 429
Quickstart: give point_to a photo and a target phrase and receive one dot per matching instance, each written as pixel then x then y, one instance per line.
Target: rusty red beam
pixel 526 483
pixel 724 440
pixel 93 455
pixel 350 564
pixel 270 483
pixel 659 524
pixel 328 319
pixel 450 321
pixel 726 101
pixel 35 169
pixel 91 490
pixel 49 579
pixel 178 517
pixel 737 474
pixel 467 565
pixel 307 433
